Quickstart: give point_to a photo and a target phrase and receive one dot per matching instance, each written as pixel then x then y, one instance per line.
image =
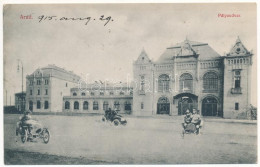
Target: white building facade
pixel 192 75
pixel 46 86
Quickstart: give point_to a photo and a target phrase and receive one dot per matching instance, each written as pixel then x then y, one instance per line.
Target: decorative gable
pixel 186 49
pixel 238 49
pixel 38 73
pixel 143 58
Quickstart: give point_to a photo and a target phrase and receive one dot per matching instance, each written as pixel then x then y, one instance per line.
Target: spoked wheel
pixel 24 136
pixel 45 136
pixel 116 122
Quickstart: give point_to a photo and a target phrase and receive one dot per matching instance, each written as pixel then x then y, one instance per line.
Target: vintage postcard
pixel 121 83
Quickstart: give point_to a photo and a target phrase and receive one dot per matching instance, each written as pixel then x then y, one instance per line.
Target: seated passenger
pixel 195 117
pixel 187 118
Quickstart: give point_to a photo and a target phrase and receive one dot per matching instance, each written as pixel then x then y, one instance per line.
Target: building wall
pixel 243 98
pixel 59 88
pixel 224 97
pixel 59 84
pixel 19 102
pixel 143 99
pixel 194 67
pixel 77 96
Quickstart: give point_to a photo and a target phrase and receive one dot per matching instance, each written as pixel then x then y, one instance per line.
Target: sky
pixel 108 52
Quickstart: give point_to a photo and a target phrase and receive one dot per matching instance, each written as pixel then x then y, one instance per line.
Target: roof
pixel 238 49
pixel 53 66
pixel 105 85
pixel 53 70
pixel 188 48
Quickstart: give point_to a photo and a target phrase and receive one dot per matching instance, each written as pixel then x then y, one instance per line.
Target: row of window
pixel 38 105
pixel 39 92
pixel 210 82
pixel 238 61
pixel 39 81
pixel 127 105
pixel 100 93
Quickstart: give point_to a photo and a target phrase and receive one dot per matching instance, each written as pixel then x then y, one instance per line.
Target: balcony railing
pixel 236 91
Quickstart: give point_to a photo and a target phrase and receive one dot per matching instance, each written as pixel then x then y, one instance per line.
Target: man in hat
pixel 26 116
pixel 187 118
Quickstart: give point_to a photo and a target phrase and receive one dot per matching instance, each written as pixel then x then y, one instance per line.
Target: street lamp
pixel 18 69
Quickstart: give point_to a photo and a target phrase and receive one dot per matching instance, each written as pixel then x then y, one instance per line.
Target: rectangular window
pixel 237 78
pixel 30 92
pixel 237 82
pixel 46 91
pixel 46 81
pixel 142 105
pixel 101 93
pixel 95 105
pixel 38 105
pixel 39 92
pixel 236 106
pixel 46 105
pixel 31 82
pixel 38 82
pixel 111 93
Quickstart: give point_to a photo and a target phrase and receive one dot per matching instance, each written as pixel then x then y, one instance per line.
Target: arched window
pixel 163 100
pixel 210 81
pixel 186 83
pixel 105 105
pixel 76 105
pixel 83 94
pixel 67 105
pixel 74 94
pixel 85 105
pixel 163 83
pixel 38 104
pixel 128 106
pixel 95 105
pixel 46 105
pixel 117 105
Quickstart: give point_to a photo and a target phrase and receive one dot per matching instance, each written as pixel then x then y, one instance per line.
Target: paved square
pixel 144 140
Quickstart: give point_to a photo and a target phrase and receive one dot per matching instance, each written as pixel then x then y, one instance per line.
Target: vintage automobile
pixel 192 128
pixel 31 130
pixel 114 117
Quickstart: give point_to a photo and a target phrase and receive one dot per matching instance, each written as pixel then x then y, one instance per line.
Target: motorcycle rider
pixel 23 119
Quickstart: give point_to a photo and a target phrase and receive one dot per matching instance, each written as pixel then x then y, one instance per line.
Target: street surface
pixel 144 140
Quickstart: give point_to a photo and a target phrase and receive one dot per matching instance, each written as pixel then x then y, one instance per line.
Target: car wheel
pixel 24 136
pixel 116 122
pixel 46 136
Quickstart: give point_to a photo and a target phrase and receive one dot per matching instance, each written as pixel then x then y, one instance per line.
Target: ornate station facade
pixel 192 75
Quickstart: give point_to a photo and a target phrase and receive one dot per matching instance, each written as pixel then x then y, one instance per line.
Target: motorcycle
pixel 114 117
pixel 192 128
pixel 31 129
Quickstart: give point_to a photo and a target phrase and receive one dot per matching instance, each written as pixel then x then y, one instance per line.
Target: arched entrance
pixel 210 107
pixel 186 101
pixel 163 106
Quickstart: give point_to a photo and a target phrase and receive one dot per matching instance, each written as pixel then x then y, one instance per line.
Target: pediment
pixel 238 49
